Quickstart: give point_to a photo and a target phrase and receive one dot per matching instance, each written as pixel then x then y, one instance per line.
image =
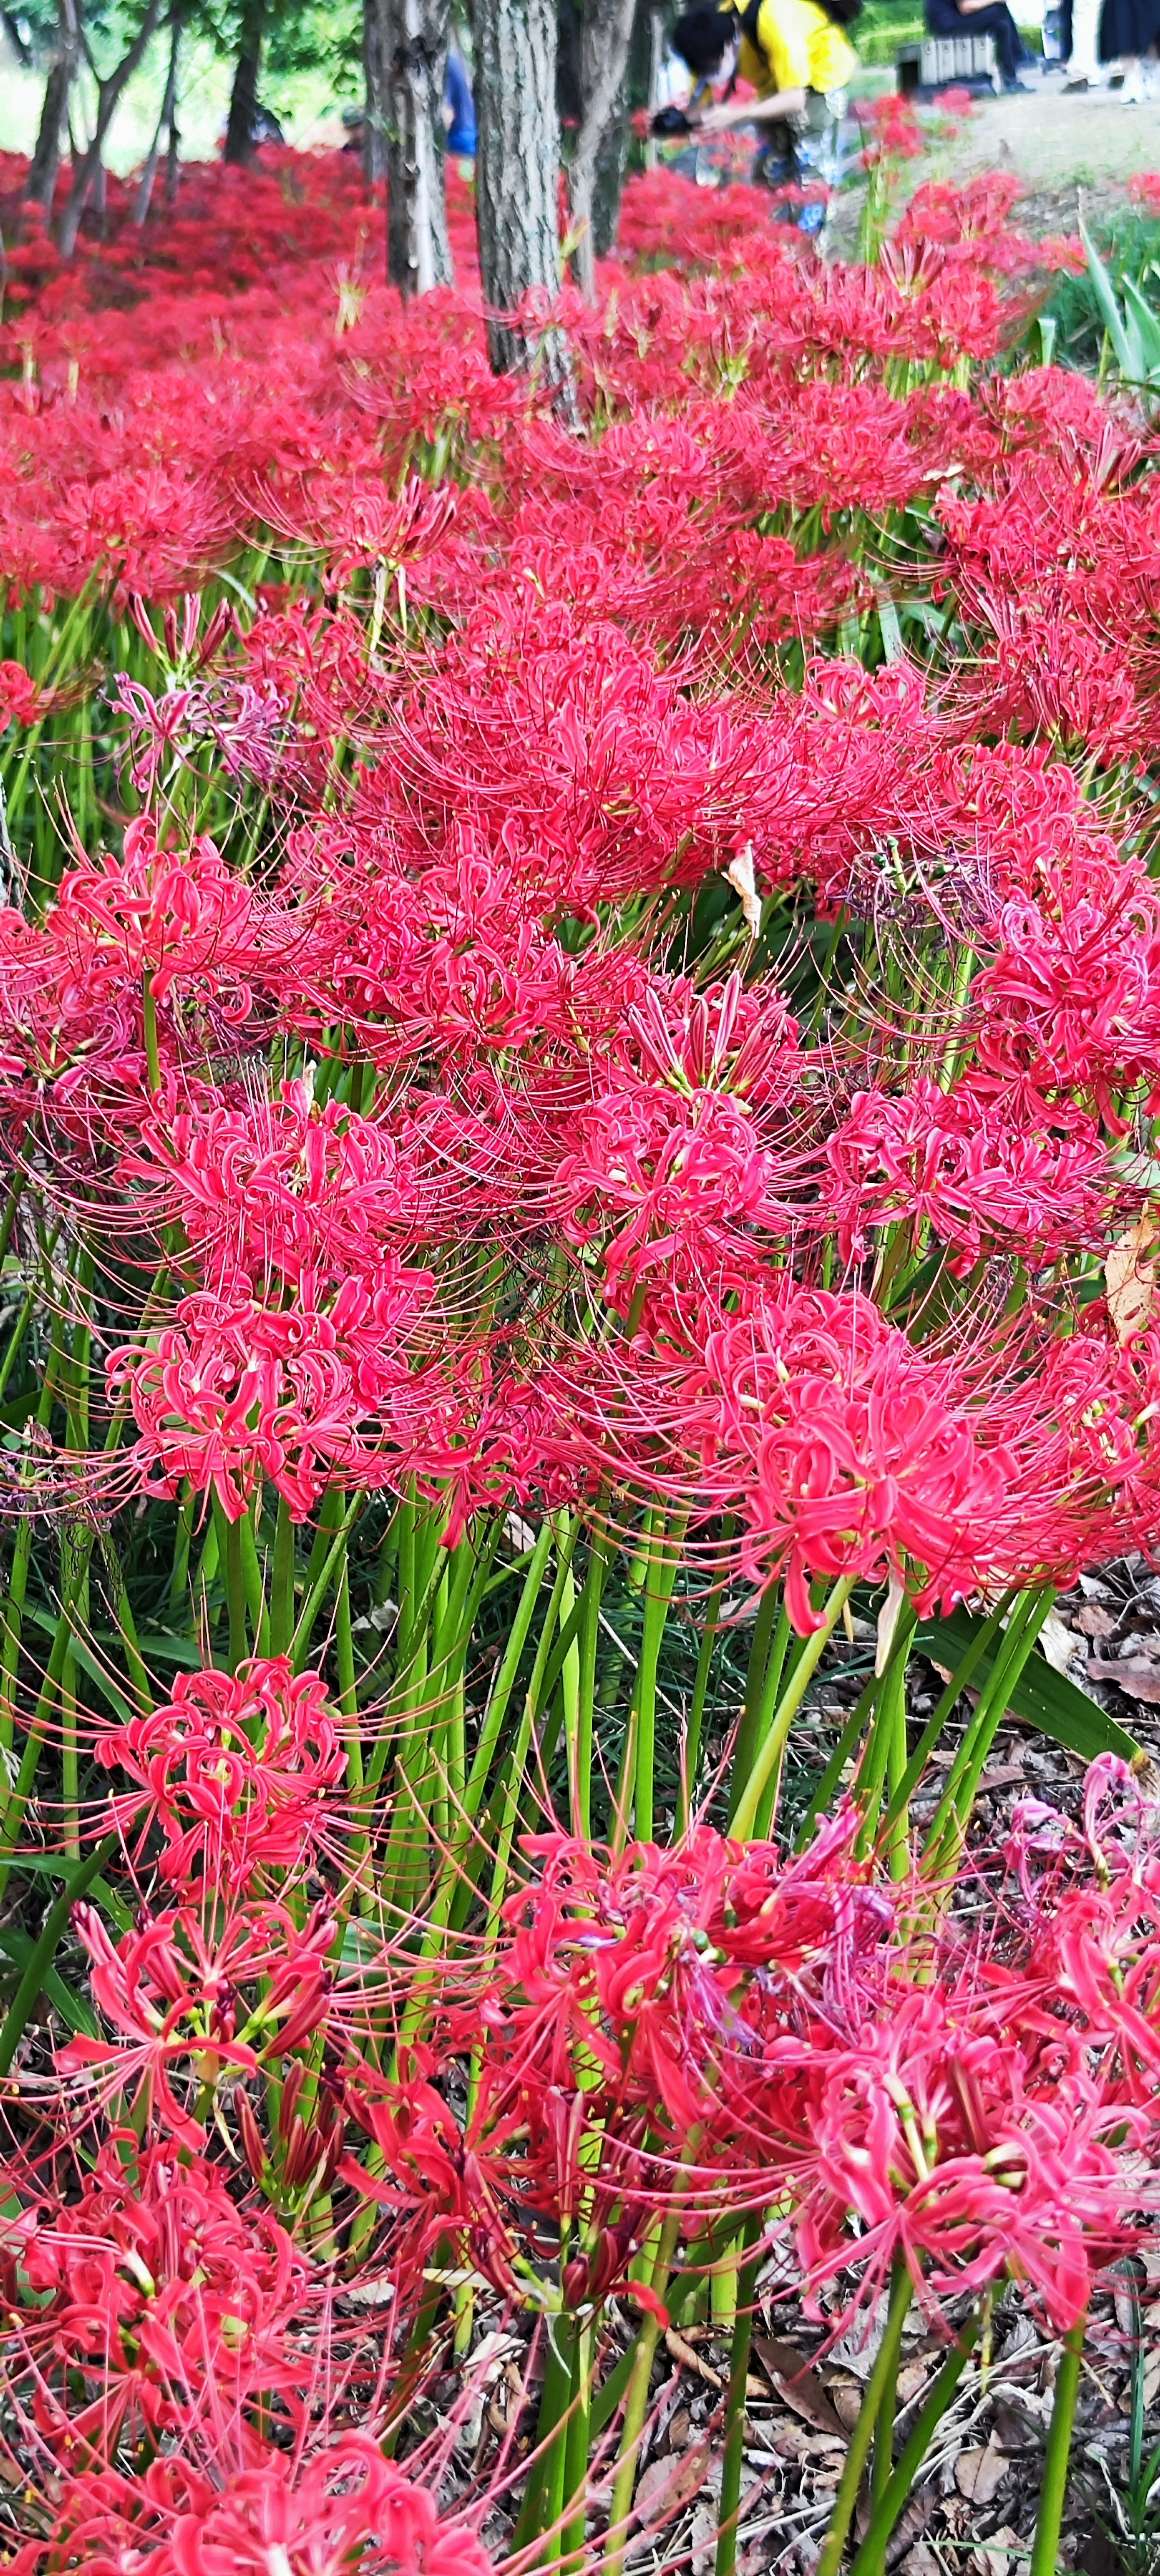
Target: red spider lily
pixel 234 1769
pixel 342 2508
pixel 978 1177
pixel 193 2007
pixel 280 1189
pixel 718 2024
pixel 235 1391
pixel 148 2303
pixel 21 701
pixel 180 920
pixel 358 521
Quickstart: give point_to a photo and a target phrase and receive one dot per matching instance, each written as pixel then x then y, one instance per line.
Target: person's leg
pixel 996 21
pixel 1084 64
pixel 817 155
pixel 775 166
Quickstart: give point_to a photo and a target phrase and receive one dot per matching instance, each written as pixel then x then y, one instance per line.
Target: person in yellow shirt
pixel 796 56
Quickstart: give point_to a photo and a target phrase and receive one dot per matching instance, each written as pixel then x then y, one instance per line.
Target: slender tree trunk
pixel 516 182
pixel 375 78
pixel 168 113
pixel 244 95
pixel 418 252
pixel 605 37
pixel 62 72
pixel 108 99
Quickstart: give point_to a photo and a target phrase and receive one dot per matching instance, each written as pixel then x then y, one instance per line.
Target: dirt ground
pixel 1074 154
pixel 1059 145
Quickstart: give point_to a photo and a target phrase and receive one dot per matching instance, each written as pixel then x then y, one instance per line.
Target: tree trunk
pixel 166 118
pixel 375 79
pixel 172 165
pixel 418 252
pixel 516 182
pixel 108 99
pixel 604 41
pixel 244 95
pixel 62 71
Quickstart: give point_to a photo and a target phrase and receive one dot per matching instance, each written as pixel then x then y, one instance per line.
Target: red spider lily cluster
pixel 577 988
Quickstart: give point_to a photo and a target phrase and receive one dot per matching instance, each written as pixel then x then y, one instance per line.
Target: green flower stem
pixel 948 1825
pixel 317 1590
pixel 40 1959
pixel 544 2489
pixel 959 1680
pixel 589 1640
pixel 579 2444
pixel 23 1320
pixel 149 1022
pixel 894 2494
pixel 282 1631
pixel 880 2379
pixel 230 1559
pixel 766 1660
pixel 663 1554
pixel 1049 2522
pixel 768 1759
pixel 640 2375
pixel 709 1634
pixel 182 1542
pixel 733 2459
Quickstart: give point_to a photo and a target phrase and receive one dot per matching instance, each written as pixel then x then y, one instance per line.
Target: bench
pixel 946 62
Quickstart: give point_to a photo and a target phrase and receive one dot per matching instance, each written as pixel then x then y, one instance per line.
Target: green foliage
pixel 1128 248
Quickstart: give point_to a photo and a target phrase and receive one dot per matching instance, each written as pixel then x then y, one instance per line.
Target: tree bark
pixel 244 94
pixel 605 37
pixel 418 252
pixel 375 86
pixel 516 181
pixel 108 98
pixel 166 118
pixel 62 72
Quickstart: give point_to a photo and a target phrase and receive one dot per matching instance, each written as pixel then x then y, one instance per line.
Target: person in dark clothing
pixel 982 18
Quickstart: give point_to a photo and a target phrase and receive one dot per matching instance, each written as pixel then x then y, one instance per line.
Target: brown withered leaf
pixel 1141 1681
pixel 797 2383
pixel 669 2483
pixel 979 2474
pixel 998 2556
pixel 683 2352
pixel 1094 1621
pixel 1130 1277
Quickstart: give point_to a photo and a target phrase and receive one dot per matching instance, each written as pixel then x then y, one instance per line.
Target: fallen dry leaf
pixel 998 2556
pixel 887 1623
pixel 847 2401
pixel 980 2474
pixel 741 878
pixel 670 2483
pixel 1130 1278
pixel 1140 1680
pixel 690 2360
pixel 1094 1621
pixel 1056 1643
pixel 797 2383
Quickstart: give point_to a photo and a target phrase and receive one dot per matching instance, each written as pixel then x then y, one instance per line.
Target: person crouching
pixel 796 56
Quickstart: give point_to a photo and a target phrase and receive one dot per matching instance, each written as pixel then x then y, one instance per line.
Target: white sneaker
pixel 1133 92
